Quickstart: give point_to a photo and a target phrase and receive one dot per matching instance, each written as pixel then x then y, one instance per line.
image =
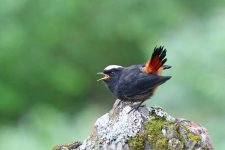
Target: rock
pixel 147 129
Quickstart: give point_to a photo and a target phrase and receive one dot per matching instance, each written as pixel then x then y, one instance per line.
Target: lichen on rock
pixel 147 128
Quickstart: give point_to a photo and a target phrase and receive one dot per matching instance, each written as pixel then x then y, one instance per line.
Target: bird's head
pixel 111 74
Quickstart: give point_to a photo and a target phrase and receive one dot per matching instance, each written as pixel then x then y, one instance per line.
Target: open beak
pixel 105 76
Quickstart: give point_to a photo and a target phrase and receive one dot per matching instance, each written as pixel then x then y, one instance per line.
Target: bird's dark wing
pixel 144 83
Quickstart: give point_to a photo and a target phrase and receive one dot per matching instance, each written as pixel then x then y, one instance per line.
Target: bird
pixel 137 83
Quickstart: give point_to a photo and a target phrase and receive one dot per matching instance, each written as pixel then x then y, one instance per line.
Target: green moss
pixel 154 136
pixel 154 131
pixel 179 137
pixel 194 138
pixel 161 144
pixel 191 136
pixel 137 142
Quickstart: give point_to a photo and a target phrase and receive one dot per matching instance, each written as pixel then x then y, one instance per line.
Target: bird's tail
pixel 157 60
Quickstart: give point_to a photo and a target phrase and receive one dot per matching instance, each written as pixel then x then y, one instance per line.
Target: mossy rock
pixel 163 134
pixel 146 128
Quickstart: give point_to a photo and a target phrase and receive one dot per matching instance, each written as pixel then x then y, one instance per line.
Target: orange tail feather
pixel 157 60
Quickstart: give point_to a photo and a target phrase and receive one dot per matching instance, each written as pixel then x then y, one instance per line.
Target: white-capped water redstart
pixel 137 83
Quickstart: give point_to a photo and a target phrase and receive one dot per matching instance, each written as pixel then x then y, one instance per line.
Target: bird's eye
pixel 112 73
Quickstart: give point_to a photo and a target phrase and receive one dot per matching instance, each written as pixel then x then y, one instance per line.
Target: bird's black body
pixel 132 84
pixel 137 83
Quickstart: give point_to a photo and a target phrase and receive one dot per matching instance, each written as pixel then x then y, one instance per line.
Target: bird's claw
pixel 135 107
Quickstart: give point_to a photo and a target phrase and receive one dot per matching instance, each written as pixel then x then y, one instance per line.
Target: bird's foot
pixel 136 107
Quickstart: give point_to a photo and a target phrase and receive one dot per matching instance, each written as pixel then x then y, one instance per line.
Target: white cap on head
pixel 110 67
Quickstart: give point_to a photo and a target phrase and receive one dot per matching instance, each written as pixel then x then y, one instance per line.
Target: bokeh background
pixel 50 51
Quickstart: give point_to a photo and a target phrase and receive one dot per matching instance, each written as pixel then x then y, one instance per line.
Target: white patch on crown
pixel 110 67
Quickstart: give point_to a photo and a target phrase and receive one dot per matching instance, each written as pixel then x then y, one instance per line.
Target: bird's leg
pixel 139 105
pixel 135 107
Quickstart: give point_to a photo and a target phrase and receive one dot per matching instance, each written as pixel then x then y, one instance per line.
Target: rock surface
pixel 147 129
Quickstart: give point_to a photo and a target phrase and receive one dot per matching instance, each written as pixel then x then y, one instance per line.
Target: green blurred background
pixel 50 51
